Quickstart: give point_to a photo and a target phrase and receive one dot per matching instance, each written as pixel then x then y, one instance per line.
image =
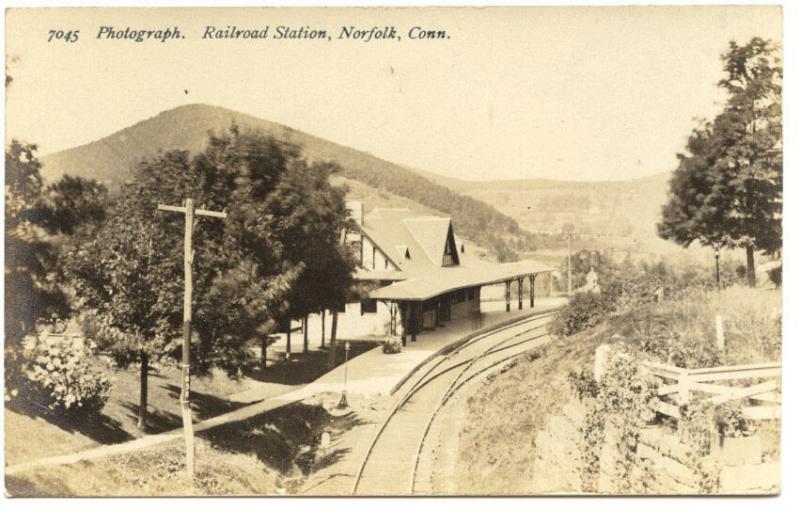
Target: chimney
pixel 356 209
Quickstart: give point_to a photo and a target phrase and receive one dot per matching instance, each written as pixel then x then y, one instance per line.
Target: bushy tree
pixel 728 188
pixel 282 234
pixel 37 217
pixel 30 292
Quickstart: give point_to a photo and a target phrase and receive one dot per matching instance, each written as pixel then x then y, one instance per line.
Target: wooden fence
pixel 762 398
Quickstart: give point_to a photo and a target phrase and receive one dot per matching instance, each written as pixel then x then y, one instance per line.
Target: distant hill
pixel 608 209
pixel 113 159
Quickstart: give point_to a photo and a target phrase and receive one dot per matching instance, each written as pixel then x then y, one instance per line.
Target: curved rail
pixel 446 356
pixel 424 380
pixel 454 387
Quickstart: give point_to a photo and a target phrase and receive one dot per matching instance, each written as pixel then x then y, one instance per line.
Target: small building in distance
pixel 419 275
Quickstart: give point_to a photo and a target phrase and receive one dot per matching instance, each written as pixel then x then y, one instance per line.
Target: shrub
pixel 683 333
pixel 696 424
pixel 776 275
pixel 392 347
pixel 61 377
pixel 583 384
pixel 672 332
pixel 731 421
pixel 625 287
pixel 584 310
pixel 624 398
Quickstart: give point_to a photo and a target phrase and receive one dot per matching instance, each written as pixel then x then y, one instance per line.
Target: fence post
pixel 683 387
pixel 720 333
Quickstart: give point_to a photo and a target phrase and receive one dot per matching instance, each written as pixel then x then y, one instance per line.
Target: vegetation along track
pixel 392 460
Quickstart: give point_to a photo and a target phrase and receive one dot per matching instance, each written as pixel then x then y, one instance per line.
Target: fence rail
pixel 702 383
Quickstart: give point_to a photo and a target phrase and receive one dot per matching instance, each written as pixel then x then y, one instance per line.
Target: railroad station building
pixel 420 276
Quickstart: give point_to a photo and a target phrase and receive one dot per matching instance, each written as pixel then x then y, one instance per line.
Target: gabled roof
pixel 422 276
pixel 397 232
pixel 431 234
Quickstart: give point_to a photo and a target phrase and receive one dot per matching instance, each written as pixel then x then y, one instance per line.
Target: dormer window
pixel 402 250
pixel 450 251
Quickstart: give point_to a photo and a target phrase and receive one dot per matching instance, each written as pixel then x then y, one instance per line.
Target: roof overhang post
pixel 519 291
pixel 392 317
pixel 403 321
pixel 532 279
pixel 413 321
pixel 322 318
pixel 508 295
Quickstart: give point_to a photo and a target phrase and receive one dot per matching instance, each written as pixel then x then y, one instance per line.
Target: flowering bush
pixel 62 378
pixel 392 347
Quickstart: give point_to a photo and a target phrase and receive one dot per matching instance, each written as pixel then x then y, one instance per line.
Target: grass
pixel 497 442
pixel 117 421
pixel 149 473
pixel 272 453
pixel 683 332
pixel 505 413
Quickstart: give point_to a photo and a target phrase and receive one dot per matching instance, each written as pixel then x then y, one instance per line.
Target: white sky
pixel 563 93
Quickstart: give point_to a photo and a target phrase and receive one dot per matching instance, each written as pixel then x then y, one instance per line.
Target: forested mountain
pixel 113 158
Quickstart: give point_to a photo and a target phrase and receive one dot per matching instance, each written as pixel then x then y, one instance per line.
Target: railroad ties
pixel 392 464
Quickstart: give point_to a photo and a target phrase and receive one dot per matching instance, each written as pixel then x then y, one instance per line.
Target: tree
pixel 30 292
pixel 72 203
pixel 326 281
pixel 282 217
pixel 35 215
pixel 728 189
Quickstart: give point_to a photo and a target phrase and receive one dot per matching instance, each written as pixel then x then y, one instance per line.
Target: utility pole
pixel 189 213
pixel 568 229
pixel 569 264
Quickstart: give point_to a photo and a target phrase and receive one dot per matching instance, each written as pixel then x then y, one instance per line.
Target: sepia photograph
pixel 418 251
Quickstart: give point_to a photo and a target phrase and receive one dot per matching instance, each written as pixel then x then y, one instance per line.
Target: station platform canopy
pixel 424 285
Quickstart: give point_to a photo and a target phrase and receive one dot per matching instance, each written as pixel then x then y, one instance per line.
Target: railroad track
pixel 392 461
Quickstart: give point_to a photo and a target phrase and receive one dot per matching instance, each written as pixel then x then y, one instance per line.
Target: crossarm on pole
pixel 172 208
pixel 197 212
pixel 213 214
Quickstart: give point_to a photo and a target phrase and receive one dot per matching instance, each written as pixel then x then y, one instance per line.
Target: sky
pixel 563 93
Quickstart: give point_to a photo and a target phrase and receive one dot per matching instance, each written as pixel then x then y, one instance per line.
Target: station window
pixel 369 306
pixel 355 247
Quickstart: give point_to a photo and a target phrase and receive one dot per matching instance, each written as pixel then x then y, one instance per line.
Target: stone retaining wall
pixel 663 464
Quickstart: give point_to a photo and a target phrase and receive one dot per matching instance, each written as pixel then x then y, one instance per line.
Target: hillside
pixel 112 160
pixel 626 209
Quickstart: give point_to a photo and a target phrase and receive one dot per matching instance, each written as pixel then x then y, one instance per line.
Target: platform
pixel 374 373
